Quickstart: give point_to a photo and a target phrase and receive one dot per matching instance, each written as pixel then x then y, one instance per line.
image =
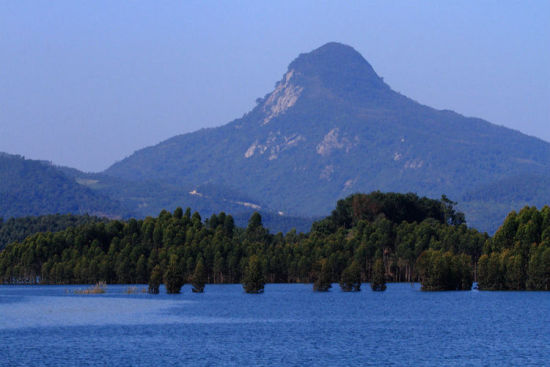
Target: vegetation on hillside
pixel 29 187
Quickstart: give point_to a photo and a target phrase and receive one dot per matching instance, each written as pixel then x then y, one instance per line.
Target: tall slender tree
pixel 173 279
pixel 155 279
pixel 198 279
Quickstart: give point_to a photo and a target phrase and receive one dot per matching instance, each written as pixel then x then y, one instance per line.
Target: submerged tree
pixel 323 280
pixel 155 279
pixel 173 280
pixel 254 281
pixel 378 282
pixel 198 279
pixel 445 271
pixel 351 278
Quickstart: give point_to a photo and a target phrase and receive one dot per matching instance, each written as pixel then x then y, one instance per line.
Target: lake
pixel 288 325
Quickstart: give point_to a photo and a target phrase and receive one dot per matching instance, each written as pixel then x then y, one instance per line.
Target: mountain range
pixel 330 127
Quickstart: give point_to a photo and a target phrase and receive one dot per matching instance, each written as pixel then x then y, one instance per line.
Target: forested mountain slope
pixel 29 187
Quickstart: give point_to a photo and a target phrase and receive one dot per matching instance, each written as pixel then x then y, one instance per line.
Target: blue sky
pixel 85 84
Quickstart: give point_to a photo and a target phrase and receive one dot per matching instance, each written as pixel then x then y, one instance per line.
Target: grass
pixel 134 290
pixel 98 288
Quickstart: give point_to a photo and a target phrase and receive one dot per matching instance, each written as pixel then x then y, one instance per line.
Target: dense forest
pixel 368 238
pixel 518 255
pixel 17 229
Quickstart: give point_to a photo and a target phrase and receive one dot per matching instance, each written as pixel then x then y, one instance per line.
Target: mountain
pixel 36 189
pixel 332 127
pixel 30 187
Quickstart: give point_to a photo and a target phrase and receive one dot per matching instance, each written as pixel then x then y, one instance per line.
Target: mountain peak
pixel 332 70
pixel 333 54
pixel 338 67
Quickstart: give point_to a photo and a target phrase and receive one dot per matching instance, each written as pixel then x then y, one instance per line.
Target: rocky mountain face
pixel 332 127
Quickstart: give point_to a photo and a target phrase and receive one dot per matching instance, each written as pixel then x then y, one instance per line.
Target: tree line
pixel 17 229
pixel 374 238
pixel 518 255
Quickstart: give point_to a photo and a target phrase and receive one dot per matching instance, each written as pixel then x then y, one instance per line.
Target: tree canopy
pixel 518 256
pixel 253 280
pixel 442 254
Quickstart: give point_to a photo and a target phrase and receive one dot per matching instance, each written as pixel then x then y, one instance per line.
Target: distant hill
pixel 29 187
pixel 36 196
pixel 488 205
pixel 149 197
pixel 332 127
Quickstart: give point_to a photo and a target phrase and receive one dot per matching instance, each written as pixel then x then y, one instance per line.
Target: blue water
pixel 288 325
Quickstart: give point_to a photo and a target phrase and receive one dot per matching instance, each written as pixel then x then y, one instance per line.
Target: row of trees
pixel 368 238
pixel 518 256
pixel 254 280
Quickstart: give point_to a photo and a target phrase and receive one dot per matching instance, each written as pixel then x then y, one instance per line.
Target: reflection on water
pixel 288 325
pixel 47 311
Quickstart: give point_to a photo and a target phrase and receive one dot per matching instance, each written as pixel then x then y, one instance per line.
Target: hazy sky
pixel 85 84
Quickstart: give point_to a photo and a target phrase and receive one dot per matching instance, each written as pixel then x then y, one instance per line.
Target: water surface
pixel 287 325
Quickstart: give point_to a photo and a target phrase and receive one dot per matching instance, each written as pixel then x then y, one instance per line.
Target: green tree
pixel 395 227
pixel 198 280
pixel 255 231
pixel 378 282
pixel 539 268
pixel 445 271
pixel 141 270
pixel 323 281
pixel 351 278
pixel 173 279
pixel 155 279
pixel 178 213
pixel 253 280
